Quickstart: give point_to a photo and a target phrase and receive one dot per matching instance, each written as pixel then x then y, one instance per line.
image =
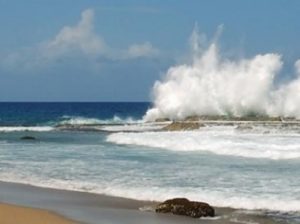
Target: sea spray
pixel 213 85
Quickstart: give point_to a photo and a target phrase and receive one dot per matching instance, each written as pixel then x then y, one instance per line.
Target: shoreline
pixel 90 208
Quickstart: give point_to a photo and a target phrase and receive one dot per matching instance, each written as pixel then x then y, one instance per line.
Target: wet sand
pixel 97 209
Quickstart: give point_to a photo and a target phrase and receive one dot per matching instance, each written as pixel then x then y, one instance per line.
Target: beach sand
pixel 92 208
pixel 11 214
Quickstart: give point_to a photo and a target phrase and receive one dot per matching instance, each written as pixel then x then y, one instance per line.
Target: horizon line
pixel 75 102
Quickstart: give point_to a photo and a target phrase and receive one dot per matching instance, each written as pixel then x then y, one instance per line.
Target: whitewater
pixel 213 85
pixel 226 166
pixel 227 141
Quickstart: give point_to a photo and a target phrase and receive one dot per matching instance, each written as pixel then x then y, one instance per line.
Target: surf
pixel 211 84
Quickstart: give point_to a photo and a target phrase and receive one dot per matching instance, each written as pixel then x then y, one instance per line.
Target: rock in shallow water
pixel 182 206
pixel 28 138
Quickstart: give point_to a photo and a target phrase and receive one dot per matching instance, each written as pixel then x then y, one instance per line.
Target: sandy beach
pixel 12 214
pixel 41 205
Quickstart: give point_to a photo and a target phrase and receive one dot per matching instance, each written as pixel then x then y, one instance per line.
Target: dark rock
pixel 182 206
pixel 28 138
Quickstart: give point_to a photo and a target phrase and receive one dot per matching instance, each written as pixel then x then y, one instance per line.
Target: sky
pixel 96 50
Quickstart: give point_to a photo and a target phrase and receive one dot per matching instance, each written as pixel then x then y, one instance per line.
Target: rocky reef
pixel 27 137
pixel 241 123
pixel 182 126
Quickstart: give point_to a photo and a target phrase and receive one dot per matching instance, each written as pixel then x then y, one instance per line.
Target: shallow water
pixel 253 169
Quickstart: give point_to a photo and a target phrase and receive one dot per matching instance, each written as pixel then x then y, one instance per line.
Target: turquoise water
pixel 220 165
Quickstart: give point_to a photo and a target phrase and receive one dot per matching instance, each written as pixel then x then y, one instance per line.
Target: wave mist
pixel 213 85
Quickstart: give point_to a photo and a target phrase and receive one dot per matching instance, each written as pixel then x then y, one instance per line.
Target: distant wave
pixel 23 128
pixel 78 120
pixel 218 140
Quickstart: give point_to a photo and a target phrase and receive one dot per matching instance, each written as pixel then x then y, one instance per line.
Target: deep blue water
pixel 34 114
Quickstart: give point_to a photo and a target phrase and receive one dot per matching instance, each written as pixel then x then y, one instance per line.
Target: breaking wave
pixel 213 85
pixel 23 128
pixel 77 120
pixel 217 140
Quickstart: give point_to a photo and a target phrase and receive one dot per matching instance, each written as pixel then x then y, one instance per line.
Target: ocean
pixel 107 148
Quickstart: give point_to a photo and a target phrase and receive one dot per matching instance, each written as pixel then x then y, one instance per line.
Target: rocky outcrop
pixel 182 126
pixel 182 206
pixel 28 138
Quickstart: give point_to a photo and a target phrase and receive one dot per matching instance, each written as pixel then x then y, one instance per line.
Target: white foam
pixel 236 220
pixel 211 218
pixel 212 85
pixel 220 199
pixel 75 120
pixel 157 176
pixel 217 140
pixel 150 193
pixel 23 128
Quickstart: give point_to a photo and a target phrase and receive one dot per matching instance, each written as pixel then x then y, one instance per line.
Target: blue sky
pixel 93 50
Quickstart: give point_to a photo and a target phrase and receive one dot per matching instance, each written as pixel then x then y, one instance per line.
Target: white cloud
pixel 80 37
pixel 142 50
pixel 79 40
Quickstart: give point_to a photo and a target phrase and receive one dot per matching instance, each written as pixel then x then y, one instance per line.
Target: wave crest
pixel 23 128
pixel 78 120
pixel 217 140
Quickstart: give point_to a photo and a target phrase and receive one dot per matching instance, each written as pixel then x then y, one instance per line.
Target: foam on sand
pixel 152 193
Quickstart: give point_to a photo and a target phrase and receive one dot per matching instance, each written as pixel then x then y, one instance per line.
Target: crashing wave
pixel 212 85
